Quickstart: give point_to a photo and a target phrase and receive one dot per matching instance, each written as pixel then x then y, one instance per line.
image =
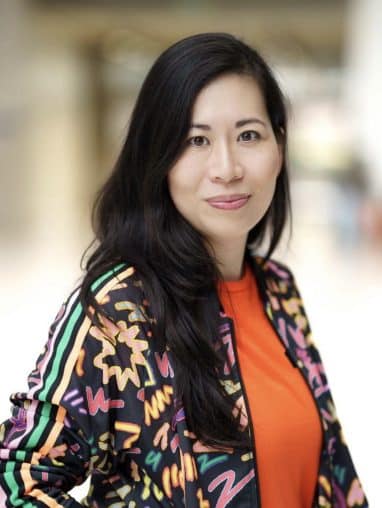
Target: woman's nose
pixel 224 165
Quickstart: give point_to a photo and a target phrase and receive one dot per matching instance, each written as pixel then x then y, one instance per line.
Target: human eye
pixel 197 141
pixel 249 136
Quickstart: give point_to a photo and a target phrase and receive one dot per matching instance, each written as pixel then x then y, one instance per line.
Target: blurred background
pixel 69 75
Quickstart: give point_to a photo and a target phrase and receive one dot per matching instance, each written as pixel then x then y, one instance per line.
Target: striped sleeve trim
pixel 75 351
pixel 62 346
pixel 69 334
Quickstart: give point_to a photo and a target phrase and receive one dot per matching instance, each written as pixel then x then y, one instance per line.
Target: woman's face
pixel 224 180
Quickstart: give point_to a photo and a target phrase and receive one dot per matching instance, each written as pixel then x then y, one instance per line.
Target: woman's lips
pixel 228 203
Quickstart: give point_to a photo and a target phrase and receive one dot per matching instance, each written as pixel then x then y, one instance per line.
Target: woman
pixel 182 371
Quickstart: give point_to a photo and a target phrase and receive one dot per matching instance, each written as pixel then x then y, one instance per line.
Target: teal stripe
pixel 106 275
pixel 9 467
pixel 76 313
pixel 20 455
pixel 45 413
pixel 53 374
pixel 36 434
pixel 9 477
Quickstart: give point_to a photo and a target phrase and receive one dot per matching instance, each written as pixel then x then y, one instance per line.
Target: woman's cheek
pixel 271 167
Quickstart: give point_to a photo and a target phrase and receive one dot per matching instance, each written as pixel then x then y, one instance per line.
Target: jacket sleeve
pixel 61 429
pixel 42 456
pixel 346 489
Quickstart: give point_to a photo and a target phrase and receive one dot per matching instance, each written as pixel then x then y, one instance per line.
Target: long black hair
pixel 135 221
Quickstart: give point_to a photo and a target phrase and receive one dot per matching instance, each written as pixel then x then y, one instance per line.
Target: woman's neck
pixel 230 259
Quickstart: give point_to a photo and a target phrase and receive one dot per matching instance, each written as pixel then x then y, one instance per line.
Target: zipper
pixel 252 434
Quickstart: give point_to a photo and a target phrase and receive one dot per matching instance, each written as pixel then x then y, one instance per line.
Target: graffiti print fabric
pixel 100 403
pixel 287 426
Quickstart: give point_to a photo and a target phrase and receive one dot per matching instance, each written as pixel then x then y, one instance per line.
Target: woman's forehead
pixel 233 97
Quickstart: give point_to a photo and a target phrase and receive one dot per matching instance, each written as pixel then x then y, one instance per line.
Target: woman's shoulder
pixel 277 277
pixel 117 304
pixel 112 292
pixel 119 280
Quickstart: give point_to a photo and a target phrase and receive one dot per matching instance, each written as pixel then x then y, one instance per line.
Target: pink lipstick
pixel 229 202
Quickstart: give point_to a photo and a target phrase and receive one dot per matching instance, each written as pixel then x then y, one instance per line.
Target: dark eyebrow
pixel 239 123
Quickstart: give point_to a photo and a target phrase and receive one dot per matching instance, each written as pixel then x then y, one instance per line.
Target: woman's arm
pixel 43 454
pixel 83 383
pixel 346 487
pixel 43 449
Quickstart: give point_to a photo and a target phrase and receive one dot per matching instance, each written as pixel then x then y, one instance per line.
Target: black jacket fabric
pixel 100 403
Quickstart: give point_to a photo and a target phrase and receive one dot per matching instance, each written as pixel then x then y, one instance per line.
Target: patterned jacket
pixel 100 403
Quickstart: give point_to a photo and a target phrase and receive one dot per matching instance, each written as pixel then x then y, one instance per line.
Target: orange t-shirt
pixel 287 428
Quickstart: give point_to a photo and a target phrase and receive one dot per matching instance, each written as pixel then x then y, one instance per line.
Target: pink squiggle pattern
pixel 340 501
pixel 314 372
pixel 278 271
pixel 164 365
pixel 227 339
pixel 71 394
pixel 174 443
pixel 281 324
pixel 229 491
pixel 30 415
pixel 3 497
pixel 298 337
pixel 224 328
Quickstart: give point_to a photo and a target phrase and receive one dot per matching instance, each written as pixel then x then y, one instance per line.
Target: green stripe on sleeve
pixel 60 350
pixel 46 410
pixel 21 455
pixel 12 484
pixel 37 432
pixel 53 374
pixel 100 279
